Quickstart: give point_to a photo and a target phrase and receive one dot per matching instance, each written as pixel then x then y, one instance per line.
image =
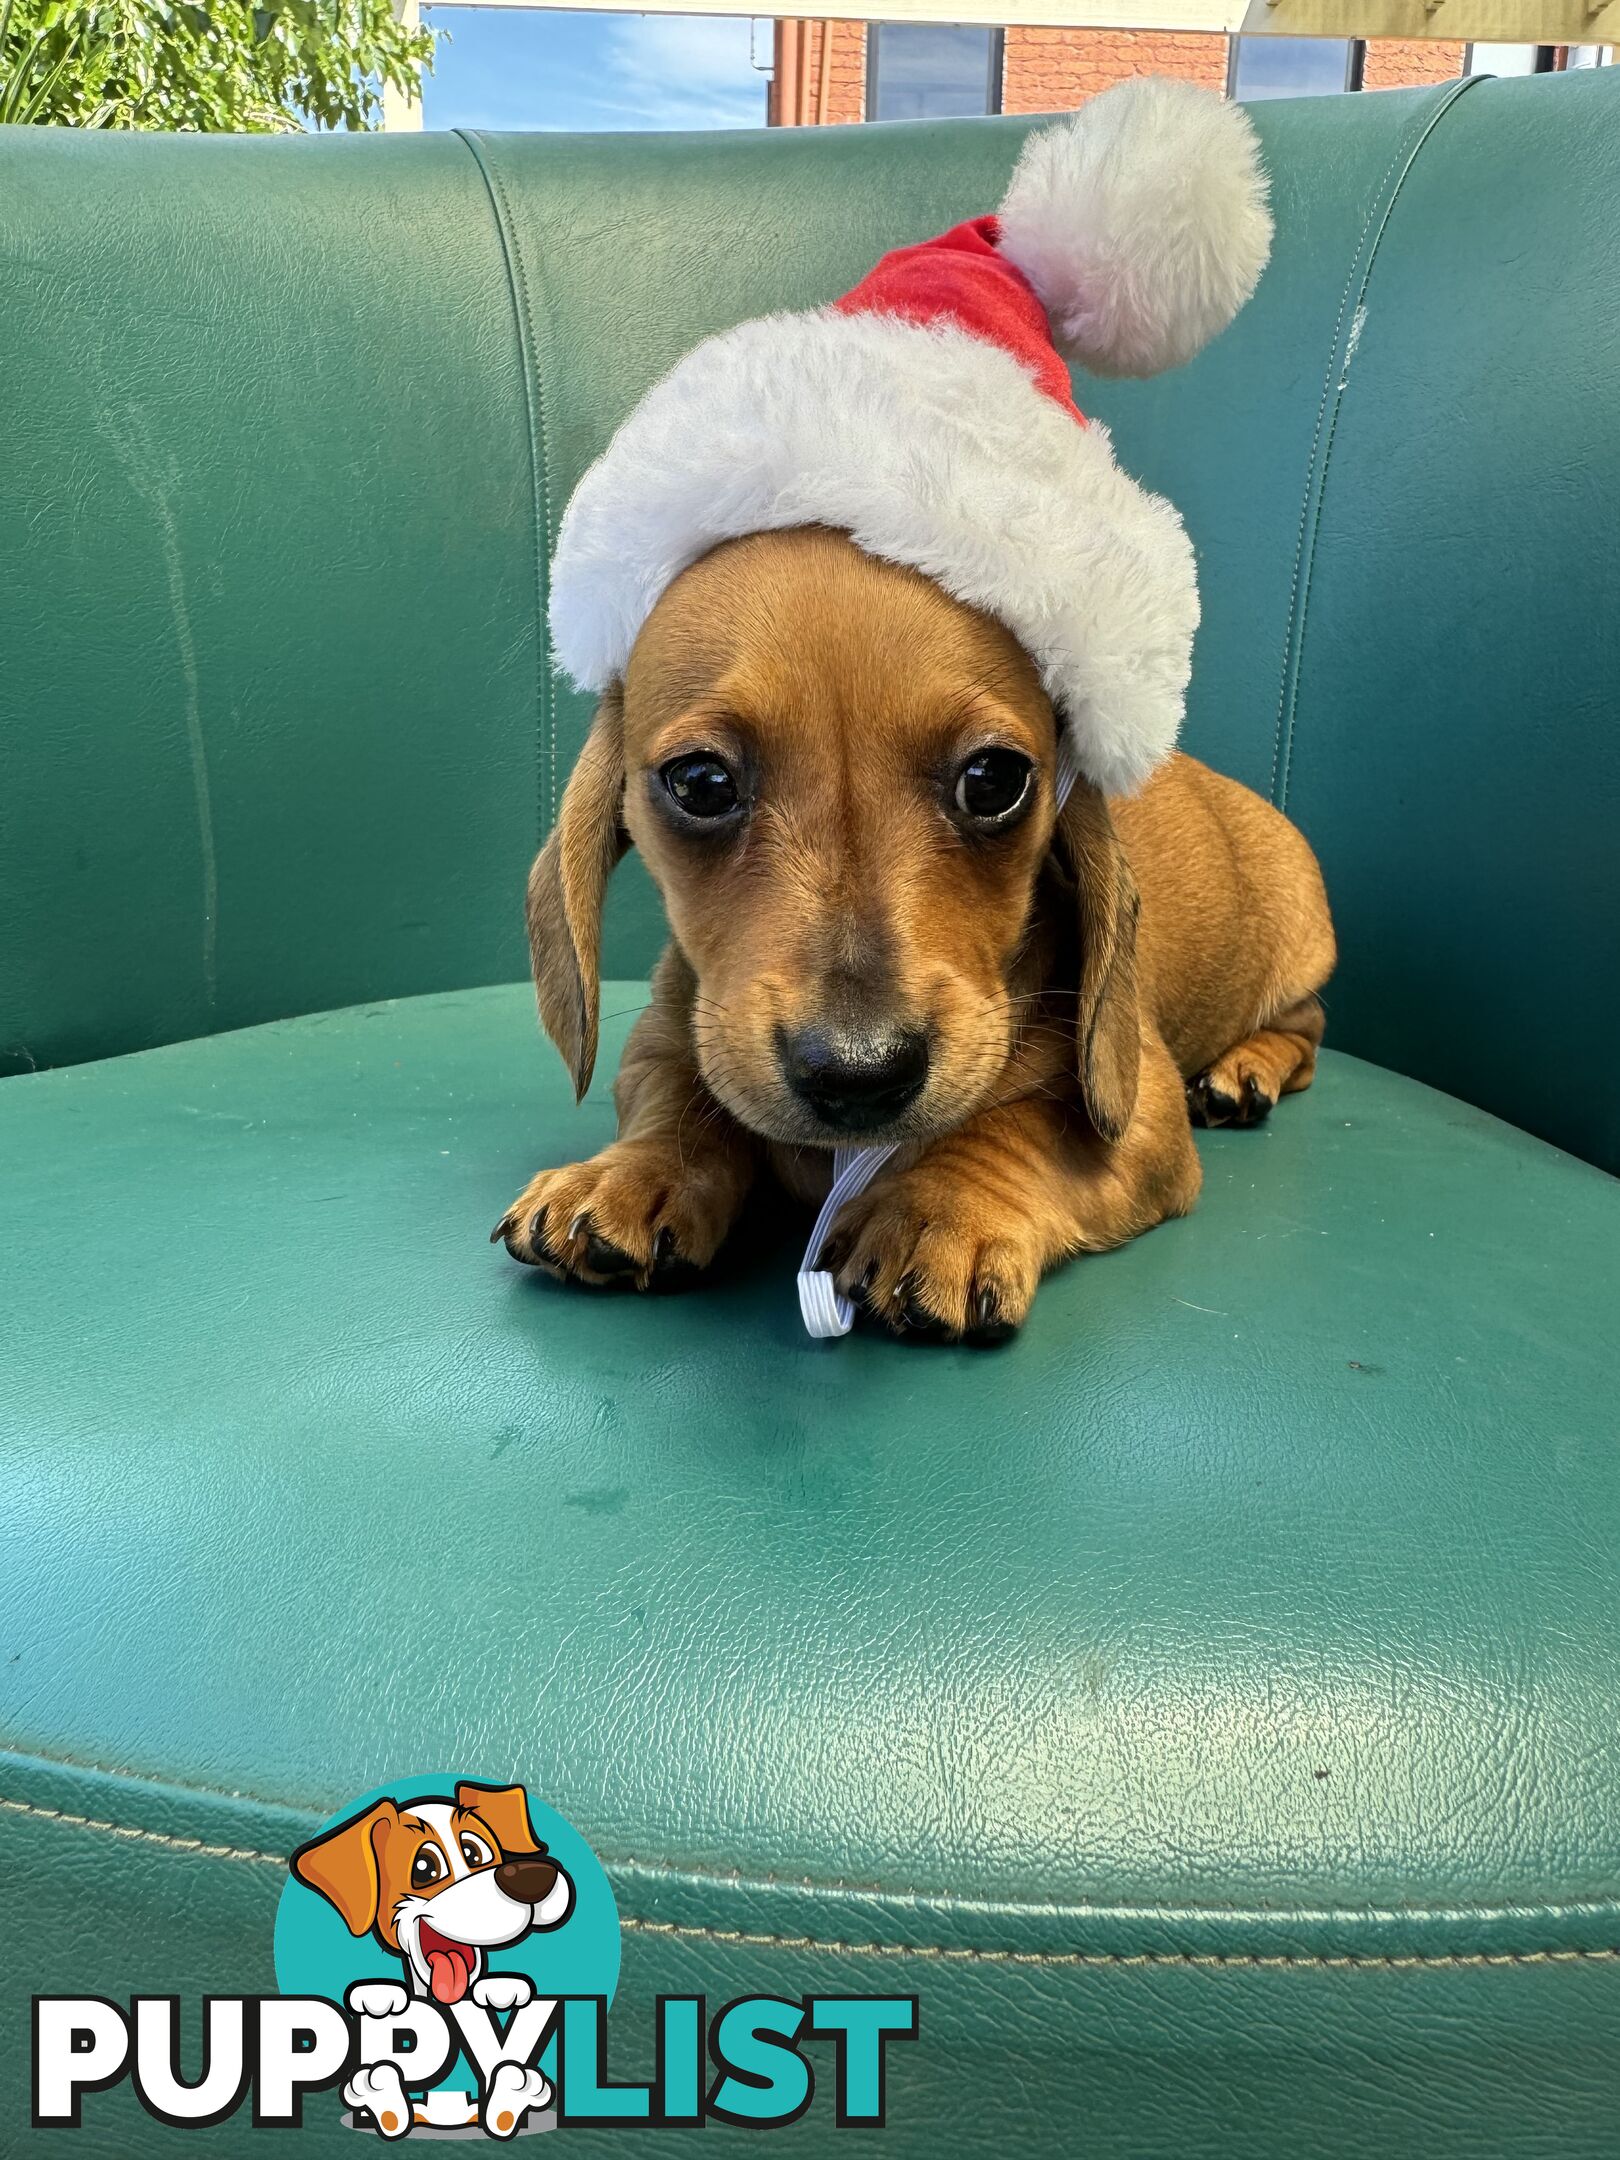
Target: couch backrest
pixel 290 425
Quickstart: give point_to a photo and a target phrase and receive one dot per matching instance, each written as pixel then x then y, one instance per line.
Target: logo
pixel 446 1951
pixel 450 1917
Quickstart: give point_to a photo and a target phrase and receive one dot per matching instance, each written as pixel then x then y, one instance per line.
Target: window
pixel 932 71
pixel 1272 67
pixel 1508 60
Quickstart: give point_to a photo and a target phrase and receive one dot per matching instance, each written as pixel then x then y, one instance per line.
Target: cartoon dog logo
pixel 439 1883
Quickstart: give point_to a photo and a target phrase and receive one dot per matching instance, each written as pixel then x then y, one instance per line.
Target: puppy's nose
pixel 529 1879
pixel 854 1083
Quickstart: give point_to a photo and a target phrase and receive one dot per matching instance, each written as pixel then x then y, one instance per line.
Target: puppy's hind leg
pixel 1243 1084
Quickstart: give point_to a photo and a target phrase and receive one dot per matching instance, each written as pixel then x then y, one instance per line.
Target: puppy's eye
pixel 992 785
pixel 703 786
pixel 474 1851
pixel 426 1868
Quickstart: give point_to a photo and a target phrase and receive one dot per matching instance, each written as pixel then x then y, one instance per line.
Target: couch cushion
pixel 286 733
pixel 1237 1648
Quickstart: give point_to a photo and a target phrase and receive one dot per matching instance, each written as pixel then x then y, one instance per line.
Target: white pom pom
pixel 1141 223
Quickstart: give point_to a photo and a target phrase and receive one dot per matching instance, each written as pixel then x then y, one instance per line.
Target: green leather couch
pixel 1210 1705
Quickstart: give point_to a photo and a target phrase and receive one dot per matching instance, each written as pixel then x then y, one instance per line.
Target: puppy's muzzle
pixel 528 1880
pixel 854 1083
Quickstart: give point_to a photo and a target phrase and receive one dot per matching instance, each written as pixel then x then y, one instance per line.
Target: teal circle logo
pixel 448 1913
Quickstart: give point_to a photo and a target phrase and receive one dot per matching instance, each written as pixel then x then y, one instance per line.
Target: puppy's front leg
pixel 953 1245
pixel 658 1203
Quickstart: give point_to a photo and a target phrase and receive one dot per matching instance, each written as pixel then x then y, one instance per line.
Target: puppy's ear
pixel 566 888
pixel 342 1866
pixel 505 1810
pixel 1108 1044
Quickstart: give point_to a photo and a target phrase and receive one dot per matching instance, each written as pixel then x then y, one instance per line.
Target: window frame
pixel 995 73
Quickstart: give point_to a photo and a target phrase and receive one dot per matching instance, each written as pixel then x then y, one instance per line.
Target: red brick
pixel 1053 70
pixel 1393 62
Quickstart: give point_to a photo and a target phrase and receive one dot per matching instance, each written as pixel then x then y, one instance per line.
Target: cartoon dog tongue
pixel 449 1966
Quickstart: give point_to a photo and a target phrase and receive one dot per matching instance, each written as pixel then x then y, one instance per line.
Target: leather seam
pixel 941 1953
pixel 517 286
pixel 736 1879
pixel 952 1953
pixel 143 1837
pixel 1385 197
pixel 198 1849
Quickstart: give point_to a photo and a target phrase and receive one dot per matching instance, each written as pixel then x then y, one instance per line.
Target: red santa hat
pixel 928 415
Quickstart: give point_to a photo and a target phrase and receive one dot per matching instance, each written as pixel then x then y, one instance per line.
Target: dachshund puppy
pixel 842 781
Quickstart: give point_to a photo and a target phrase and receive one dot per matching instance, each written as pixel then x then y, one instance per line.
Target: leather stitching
pixel 735 1879
pixel 945 1953
pixel 144 1837
pixel 1086 1909
pixel 1327 418
pixel 539 475
pixel 956 1954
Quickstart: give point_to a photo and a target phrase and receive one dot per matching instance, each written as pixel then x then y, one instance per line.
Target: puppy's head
pixel 440 1881
pixel 843 783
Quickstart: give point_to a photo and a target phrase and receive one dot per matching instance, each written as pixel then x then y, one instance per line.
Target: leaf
pixel 205 65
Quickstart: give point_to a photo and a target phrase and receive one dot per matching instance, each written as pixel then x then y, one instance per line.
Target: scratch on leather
pixel 153 479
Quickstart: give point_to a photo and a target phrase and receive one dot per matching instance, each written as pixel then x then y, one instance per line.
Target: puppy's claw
pixel 670 1270
pixel 606 1259
pixel 511 1230
pixel 915 1316
pixel 990 1325
pixel 633 1216
pixel 1211 1105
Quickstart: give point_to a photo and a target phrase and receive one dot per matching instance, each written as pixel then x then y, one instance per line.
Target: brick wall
pixel 1052 70
pixel 1393 62
pixel 846 74
pixel 1049 70
pixel 795 97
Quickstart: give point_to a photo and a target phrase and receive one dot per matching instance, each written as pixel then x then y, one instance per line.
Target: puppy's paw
pixel 635 1214
pixel 1229 1093
pixel 934 1260
pixel 380 2090
pixel 503 1991
pixel 377 1998
pixel 513 2090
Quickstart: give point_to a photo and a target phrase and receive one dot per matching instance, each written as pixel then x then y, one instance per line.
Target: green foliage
pixel 220 68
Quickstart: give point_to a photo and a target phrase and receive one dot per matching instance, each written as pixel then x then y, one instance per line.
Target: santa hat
pixel 928 415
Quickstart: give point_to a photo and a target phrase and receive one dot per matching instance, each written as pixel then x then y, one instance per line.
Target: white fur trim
pixel 927 446
pixel 1142 224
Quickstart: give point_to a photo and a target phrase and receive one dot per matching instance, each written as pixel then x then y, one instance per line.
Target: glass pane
pixel 930 71
pixel 1267 67
pixel 1504 59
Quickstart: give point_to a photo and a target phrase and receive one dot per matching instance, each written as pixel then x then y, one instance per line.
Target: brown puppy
pixel 842 781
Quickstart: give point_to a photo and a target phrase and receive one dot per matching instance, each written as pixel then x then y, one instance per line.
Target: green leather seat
pixel 1208 1705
